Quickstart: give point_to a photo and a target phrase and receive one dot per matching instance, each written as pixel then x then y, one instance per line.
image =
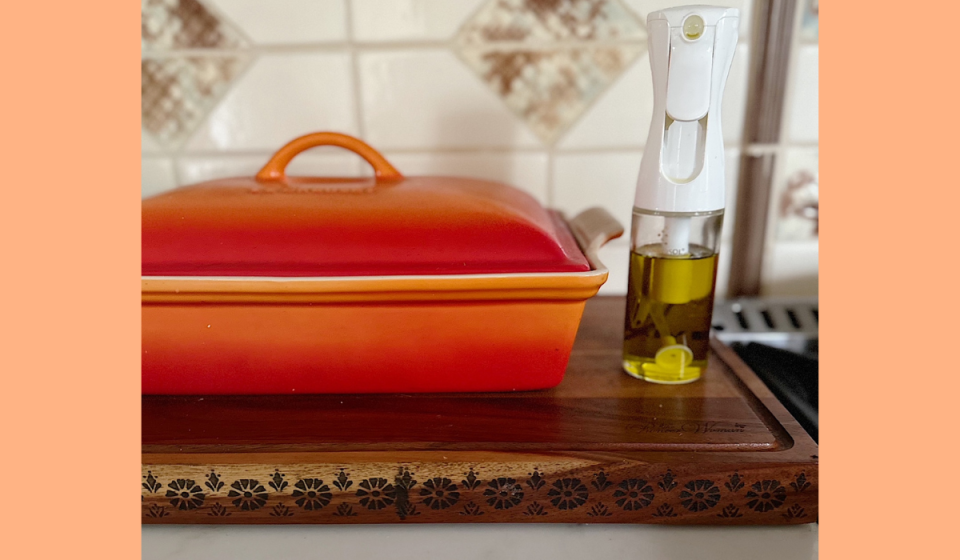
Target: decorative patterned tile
pixel 409 20
pixel 184 24
pixel 530 53
pixel 620 116
pixel 282 96
pixel 177 93
pixel 286 21
pixel 529 21
pixel 797 196
pixel 425 99
pixel 550 89
pixel 804 115
pixel 524 170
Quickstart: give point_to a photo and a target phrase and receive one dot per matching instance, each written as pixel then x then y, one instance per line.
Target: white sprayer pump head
pixel 691 48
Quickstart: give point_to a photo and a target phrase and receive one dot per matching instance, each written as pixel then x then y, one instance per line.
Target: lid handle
pixel 275 169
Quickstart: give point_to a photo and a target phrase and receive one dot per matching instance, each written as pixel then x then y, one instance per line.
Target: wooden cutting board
pixel 601 447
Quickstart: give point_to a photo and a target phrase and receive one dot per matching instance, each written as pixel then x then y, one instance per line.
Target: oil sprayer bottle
pixel 678 210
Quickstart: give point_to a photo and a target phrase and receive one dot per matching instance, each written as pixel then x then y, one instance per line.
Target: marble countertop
pixel 475 542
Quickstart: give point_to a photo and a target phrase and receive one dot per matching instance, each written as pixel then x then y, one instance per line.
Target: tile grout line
pixel 175 162
pixel 482 151
pixel 338 46
pixel 550 187
pixel 385 46
pixel 354 72
pixel 553 153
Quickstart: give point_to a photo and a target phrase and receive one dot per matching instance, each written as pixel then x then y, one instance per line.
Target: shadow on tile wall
pixel 552 96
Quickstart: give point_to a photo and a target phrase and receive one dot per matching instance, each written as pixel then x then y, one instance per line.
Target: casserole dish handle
pixel 275 169
pixel 593 228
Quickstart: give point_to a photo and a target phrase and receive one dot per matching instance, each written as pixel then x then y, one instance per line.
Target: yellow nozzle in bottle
pixel 672 365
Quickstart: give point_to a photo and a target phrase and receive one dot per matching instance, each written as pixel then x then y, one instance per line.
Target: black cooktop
pixel 793 377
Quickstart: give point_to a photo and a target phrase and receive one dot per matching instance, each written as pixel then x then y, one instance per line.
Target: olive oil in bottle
pixel 680 197
pixel 669 308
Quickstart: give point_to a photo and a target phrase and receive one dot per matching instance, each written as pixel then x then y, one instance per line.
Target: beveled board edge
pixel 553 489
pixel 761 488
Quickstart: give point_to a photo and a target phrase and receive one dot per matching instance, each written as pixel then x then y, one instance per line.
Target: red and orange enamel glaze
pixel 277 284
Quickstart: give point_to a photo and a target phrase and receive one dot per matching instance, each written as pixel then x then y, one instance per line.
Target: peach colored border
pixel 71 248
pixel 71 349
pixel 888 288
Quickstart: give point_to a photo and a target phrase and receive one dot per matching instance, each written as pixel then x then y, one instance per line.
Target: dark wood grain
pixel 598 424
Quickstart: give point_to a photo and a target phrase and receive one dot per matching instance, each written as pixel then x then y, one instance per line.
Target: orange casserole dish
pixel 287 285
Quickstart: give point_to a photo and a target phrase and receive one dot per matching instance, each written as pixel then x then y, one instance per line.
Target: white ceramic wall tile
pixel 804 114
pixel 601 179
pixel 326 163
pixel 791 269
pixel 796 196
pixel 621 116
pixel 644 7
pixel 723 270
pixel 280 97
pixel 148 145
pixel 732 168
pixel 156 176
pixel 286 21
pixel 610 179
pixel 616 257
pixel 409 20
pixel 427 99
pixel 733 110
pixel 524 170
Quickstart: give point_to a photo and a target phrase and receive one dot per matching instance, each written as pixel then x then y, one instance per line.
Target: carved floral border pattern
pixel 664 497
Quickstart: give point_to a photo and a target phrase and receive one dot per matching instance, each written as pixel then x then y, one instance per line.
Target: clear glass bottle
pixel 670 291
pixel 681 190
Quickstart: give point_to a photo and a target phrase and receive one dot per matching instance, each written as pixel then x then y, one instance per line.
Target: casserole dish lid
pixel 273 225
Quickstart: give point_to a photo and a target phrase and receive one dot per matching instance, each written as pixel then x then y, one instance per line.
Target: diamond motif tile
pixel 177 93
pixel 550 89
pixel 548 60
pixel 798 196
pixel 184 24
pixel 551 20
